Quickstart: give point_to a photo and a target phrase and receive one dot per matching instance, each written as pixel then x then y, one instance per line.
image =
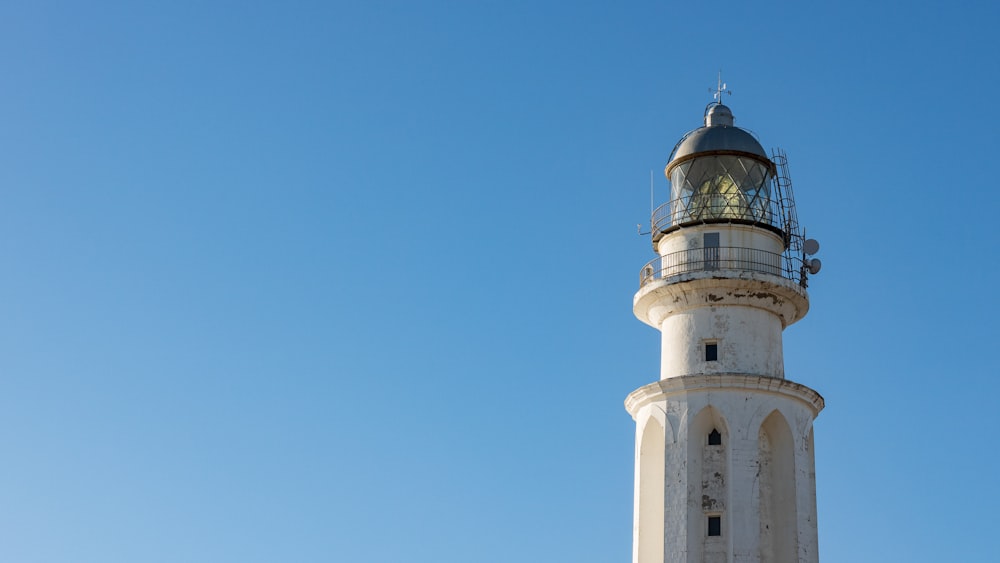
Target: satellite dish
pixel 811 246
pixel 814 265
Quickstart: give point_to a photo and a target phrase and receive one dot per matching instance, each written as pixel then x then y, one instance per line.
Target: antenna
pixel 652 201
pixel 811 246
pixel 720 89
pixel 809 265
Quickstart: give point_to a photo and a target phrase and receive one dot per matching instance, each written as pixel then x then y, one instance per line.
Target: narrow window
pixel 711 352
pixel 715 525
pixel 715 439
pixel 711 244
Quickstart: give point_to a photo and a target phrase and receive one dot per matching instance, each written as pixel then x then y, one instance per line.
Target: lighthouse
pixel 724 464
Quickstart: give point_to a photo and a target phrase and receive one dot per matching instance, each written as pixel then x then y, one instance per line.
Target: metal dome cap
pixel 718 114
pixel 718 136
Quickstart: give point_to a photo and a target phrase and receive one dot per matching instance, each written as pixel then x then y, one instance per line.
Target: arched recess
pixel 811 488
pixel 708 467
pixel 778 507
pixel 649 542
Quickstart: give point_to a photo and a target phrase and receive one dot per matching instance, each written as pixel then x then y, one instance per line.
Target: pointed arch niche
pixel 651 483
pixel 708 471
pixel 778 508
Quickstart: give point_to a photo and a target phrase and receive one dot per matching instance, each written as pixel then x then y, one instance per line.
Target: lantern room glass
pixel 720 187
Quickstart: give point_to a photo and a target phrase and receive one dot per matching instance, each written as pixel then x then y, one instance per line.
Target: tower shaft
pixel 725 469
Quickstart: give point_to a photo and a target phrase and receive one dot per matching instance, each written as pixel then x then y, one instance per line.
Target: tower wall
pixel 730 235
pixel 747 340
pixel 759 481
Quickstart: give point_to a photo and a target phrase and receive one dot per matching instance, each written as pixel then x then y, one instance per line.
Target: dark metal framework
pixel 771 207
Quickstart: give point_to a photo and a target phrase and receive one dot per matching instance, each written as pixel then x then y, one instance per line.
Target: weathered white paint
pixel 721 281
pixel 658 299
pixel 740 236
pixel 761 480
pixel 744 316
pixel 748 340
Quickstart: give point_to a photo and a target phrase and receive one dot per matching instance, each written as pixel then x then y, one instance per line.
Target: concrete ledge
pixel 688 384
pixel 661 298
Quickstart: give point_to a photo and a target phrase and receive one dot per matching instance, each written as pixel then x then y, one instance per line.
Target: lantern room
pixel 720 173
pixel 731 208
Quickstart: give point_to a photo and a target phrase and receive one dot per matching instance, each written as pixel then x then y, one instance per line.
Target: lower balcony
pixel 728 261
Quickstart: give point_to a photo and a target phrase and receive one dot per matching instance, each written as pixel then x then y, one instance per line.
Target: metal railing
pixel 698 208
pixel 719 258
pixel 770 205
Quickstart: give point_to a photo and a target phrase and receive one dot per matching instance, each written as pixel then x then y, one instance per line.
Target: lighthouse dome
pixel 718 136
pixel 719 173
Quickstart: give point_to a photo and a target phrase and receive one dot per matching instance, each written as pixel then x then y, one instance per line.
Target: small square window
pixel 715 525
pixel 711 352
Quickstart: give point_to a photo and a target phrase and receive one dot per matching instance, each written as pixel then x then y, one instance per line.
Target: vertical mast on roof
pixel 720 89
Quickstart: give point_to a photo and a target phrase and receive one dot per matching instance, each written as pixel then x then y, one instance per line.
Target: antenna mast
pixel 720 89
pixel 652 200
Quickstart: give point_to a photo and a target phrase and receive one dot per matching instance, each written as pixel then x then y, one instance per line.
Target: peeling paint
pixel 762 489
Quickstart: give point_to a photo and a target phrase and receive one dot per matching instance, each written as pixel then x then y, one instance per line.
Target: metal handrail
pixel 775 211
pixel 696 209
pixel 720 258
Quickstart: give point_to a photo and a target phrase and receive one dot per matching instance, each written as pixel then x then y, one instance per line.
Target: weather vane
pixel 720 90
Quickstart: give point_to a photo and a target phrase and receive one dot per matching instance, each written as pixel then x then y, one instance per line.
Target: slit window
pixel 711 352
pixel 714 438
pixel 715 525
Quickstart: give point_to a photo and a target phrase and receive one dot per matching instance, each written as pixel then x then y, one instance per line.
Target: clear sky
pixel 352 281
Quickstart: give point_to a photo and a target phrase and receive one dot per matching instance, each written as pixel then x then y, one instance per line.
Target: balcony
pixel 693 210
pixel 728 261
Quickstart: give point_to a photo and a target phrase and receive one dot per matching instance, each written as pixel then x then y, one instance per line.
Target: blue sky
pixel 352 281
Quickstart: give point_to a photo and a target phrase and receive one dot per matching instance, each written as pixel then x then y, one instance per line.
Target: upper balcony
pixel 723 188
pixel 697 209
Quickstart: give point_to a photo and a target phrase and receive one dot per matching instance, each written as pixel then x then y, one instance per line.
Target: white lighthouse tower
pixel 724 443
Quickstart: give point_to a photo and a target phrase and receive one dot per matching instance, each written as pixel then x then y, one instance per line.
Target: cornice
pixel 687 384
